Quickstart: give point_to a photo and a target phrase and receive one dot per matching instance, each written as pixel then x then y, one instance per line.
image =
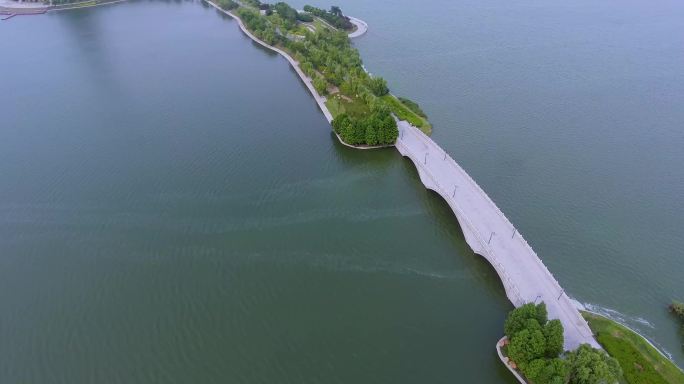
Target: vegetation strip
pixel 359 105
pixel 641 362
pixel 533 347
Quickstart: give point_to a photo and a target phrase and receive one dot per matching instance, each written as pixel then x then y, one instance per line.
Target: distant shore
pixel 17 8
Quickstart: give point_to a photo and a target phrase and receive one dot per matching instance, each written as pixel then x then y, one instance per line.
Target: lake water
pixel 174 208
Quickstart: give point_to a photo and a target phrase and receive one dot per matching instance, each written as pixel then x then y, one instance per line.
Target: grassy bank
pixel 403 112
pixel 641 363
pixel 353 107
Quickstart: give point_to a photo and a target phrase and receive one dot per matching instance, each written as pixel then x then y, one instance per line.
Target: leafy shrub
pixel 287 13
pixel 637 370
pixel 377 85
pixel 592 366
pixel 320 85
pixel 678 309
pixel 376 129
pixel 413 106
pixel 536 344
pixel 334 17
pixel 304 17
pixel 403 113
pixel 227 4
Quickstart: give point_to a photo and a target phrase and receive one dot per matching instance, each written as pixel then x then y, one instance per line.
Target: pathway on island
pixel 361 27
pixel 489 233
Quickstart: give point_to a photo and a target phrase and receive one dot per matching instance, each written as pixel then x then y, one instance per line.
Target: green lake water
pixel 174 208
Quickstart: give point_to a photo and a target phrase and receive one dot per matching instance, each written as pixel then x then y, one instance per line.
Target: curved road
pixel 361 27
pixel 489 233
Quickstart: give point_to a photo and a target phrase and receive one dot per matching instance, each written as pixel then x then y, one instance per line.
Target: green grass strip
pixel 404 113
pixel 641 362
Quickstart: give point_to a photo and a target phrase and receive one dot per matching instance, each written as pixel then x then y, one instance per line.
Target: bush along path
pixel 534 349
pixel 362 108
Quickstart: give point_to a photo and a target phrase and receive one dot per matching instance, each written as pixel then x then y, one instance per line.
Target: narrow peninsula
pixel 360 107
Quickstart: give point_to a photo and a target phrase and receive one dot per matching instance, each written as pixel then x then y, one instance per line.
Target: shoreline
pixel 320 100
pixel 662 353
pixel 505 360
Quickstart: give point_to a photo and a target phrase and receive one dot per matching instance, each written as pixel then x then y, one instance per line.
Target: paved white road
pixel 490 234
pixel 361 27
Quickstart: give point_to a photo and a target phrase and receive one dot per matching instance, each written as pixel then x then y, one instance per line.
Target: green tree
pixel 553 332
pixel 378 86
pixel 380 134
pixel 320 85
pixel 547 371
pixel 678 309
pixel 534 370
pixel 371 135
pixel 335 10
pixel 592 366
pixel 536 343
pixel 307 68
pixel 359 135
pixel 269 35
pixel 515 322
pixel 227 4
pixel 339 122
pixel 527 345
pixel 389 128
pixel 542 315
pixel 347 132
pixel 304 17
pixel 287 13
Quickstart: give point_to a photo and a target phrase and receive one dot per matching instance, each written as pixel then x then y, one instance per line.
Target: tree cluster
pixel 328 58
pixel 536 346
pixel 260 26
pixel 413 106
pixel 536 343
pixel 334 17
pixel 379 128
pixel 592 366
pixel 304 17
pixel 254 3
pixel 227 4
pixel 287 14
